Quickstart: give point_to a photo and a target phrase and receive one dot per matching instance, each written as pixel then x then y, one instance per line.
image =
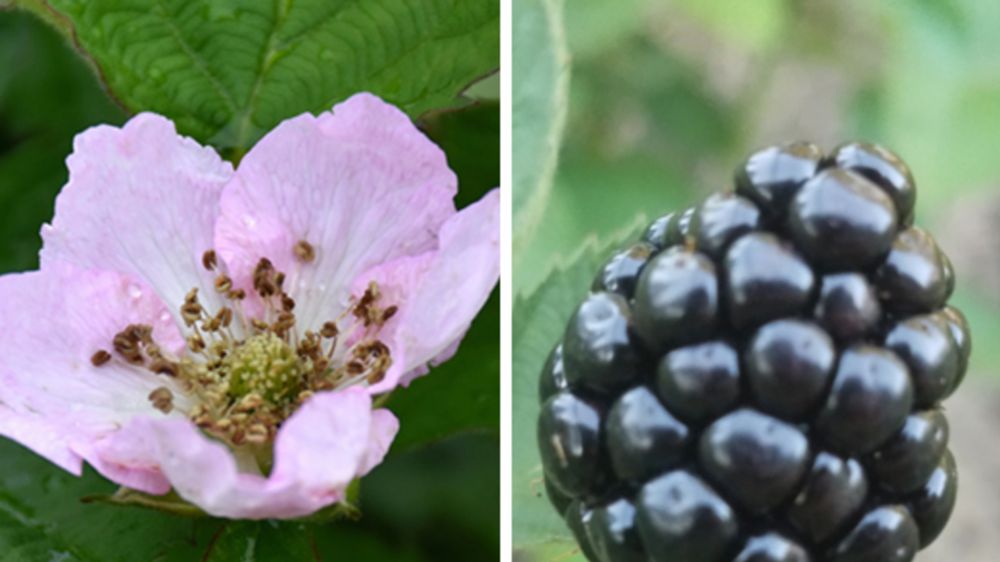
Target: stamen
pixel 304 251
pixel 329 330
pixel 191 313
pixel 100 357
pixel 196 343
pixel 127 348
pixel 246 380
pixel 209 260
pixel 389 313
pixel 164 367
pixel 162 399
pixel 223 283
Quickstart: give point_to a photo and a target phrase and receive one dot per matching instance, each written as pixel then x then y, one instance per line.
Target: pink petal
pixel 52 399
pixel 327 443
pixel 360 184
pixel 384 428
pixel 141 200
pixel 439 292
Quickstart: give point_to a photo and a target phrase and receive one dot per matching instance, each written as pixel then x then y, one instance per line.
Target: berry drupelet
pixel 760 377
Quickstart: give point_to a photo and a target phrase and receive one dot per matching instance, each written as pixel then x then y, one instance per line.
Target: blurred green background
pixel 666 98
pixel 437 502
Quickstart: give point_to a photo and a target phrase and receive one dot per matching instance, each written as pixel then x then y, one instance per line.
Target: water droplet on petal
pixel 135 291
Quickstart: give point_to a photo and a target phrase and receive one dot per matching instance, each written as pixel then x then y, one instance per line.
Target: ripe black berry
pixel 760 378
pixel 771 176
pixel 720 219
pixel 765 279
pixel 830 497
pixel 643 438
pixel 757 459
pixel 925 343
pixel 913 277
pixel 885 169
pixel 569 432
pixel 700 381
pixel 932 505
pixel 620 273
pixel 906 461
pixel 885 534
pixel 842 221
pixel 677 299
pixel 871 396
pixel 613 534
pixel 772 547
pixel 847 307
pixel 682 518
pixel 597 348
pixel 788 367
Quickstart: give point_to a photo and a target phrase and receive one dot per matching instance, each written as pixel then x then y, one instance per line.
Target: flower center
pixel 265 365
pixel 246 376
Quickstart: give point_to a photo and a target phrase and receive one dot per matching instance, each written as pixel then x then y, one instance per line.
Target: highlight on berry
pixel 760 377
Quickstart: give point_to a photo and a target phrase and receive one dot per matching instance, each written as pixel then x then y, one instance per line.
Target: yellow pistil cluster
pixel 246 376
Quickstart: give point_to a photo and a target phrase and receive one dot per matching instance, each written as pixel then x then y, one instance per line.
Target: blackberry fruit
pixel 760 377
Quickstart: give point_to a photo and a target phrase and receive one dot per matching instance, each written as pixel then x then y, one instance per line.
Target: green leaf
pixel 46 96
pixel 461 395
pixel 596 27
pixel 539 321
pixel 42 510
pixel 470 138
pixel 42 517
pixel 443 500
pixel 582 207
pixel 541 65
pixel 260 541
pixel 227 71
pixel 759 25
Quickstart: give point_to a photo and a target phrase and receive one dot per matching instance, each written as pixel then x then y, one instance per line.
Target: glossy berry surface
pixel 761 377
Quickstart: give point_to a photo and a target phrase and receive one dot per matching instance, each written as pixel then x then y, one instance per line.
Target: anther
pixel 164 367
pixel 196 344
pixel 376 376
pixel 329 330
pixel 209 260
pixel 190 312
pixel 304 251
pixel 287 303
pixel 223 283
pixel 100 357
pixel 162 399
pixel 140 333
pixel 389 313
pixel 285 322
pixel 225 316
pixel 123 343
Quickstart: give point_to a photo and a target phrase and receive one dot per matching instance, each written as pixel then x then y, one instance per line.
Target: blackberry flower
pixel 223 333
